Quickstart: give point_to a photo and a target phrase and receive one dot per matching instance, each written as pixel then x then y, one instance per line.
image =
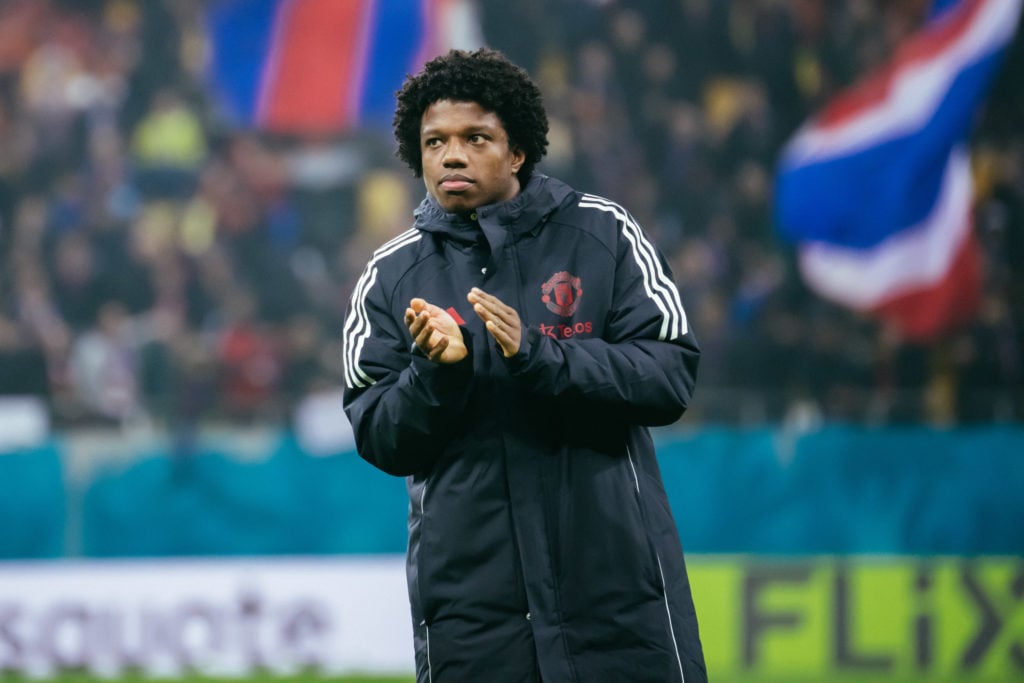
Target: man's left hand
pixel 500 320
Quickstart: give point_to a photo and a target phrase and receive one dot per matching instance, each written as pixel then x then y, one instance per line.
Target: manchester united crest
pixel 562 293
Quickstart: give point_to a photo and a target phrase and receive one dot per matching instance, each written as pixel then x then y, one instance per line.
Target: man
pixel 506 355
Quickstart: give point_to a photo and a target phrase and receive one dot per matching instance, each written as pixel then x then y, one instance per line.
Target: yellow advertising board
pixel 829 618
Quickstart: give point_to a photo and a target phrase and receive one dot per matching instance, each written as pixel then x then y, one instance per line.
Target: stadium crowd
pixel 160 264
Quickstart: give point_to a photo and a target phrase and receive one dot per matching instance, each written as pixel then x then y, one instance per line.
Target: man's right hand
pixel 435 332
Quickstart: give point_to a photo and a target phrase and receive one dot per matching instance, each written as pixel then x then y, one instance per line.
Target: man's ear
pixel 518 158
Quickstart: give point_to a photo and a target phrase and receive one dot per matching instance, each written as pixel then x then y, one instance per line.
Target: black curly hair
pixel 484 76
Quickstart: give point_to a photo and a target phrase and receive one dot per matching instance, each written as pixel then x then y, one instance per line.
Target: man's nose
pixel 454 154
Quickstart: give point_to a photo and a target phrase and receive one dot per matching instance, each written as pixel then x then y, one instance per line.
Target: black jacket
pixel 541 544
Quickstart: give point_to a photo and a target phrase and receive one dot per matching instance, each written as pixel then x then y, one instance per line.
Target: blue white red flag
pixel 323 66
pixel 876 189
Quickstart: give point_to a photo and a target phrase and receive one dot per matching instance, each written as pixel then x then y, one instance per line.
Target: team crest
pixel 562 293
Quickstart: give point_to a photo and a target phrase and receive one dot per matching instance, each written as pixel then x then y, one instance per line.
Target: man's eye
pixel 432 142
pixel 476 138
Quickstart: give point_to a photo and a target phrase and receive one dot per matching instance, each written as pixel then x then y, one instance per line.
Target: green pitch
pixel 316 678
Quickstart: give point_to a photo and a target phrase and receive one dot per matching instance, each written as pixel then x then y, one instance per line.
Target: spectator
pixel 22 364
pixel 168 147
pixel 249 360
pixel 104 367
pixel 118 183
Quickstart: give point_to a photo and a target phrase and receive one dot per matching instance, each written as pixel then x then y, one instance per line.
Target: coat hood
pixel 493 222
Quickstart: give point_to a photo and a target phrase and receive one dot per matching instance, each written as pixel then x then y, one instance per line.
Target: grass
pixel 368 678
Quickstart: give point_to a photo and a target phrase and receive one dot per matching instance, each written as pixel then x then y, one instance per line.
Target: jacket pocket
pixel 607 560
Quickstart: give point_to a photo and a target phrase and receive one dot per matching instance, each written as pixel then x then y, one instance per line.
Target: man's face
pixel 467 161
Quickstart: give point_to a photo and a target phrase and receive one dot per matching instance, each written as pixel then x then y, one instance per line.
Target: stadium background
pixel 178 490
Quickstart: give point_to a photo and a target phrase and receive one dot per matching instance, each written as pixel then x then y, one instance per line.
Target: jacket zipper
pixel 513 248
pixel 661 573
pixel 512 254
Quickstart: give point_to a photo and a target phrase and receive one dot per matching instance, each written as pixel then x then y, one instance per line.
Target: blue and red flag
pixel 876 189
pixel 320 66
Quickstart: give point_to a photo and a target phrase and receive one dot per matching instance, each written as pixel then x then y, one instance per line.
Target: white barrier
pixel 24 422
pixel 220 616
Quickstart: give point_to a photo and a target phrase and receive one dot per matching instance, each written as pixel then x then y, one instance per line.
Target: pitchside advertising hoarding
pixel 949 619
pixel 222 617
pixel 783 618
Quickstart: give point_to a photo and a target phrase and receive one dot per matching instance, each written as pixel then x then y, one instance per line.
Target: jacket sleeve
pixel 402 406
pixel 644 367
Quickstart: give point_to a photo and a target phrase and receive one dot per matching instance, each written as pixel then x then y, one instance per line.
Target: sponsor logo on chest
pixel 561 294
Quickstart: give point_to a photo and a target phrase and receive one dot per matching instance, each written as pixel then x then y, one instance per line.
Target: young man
pixel 506 355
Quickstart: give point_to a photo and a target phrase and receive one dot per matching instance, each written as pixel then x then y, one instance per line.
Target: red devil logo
pixel 562 293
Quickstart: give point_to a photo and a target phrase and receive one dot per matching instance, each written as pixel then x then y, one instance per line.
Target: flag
pixel 876 189
pixel 324 66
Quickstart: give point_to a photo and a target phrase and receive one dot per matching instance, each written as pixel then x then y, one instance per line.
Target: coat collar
pixel 521 214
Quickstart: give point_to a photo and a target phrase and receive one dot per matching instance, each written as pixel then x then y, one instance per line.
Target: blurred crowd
pixel 159 264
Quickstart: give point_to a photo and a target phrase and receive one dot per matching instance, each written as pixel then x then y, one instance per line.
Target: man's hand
pixel 435 332
pixel 501 321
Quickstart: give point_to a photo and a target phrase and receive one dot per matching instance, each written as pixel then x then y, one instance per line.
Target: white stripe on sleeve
pixel 658 285
pixel 357 326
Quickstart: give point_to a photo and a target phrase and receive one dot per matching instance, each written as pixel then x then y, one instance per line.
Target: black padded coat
pixel 541 543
